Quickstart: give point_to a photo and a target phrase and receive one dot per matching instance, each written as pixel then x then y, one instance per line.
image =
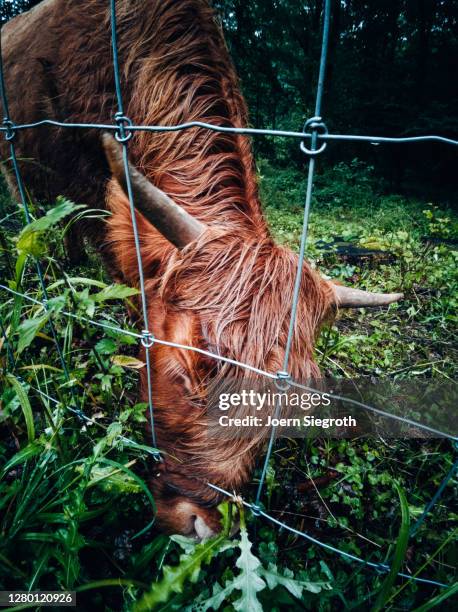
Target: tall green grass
pixel 76 511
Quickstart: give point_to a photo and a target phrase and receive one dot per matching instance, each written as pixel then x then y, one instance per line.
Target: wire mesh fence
pixel 314 139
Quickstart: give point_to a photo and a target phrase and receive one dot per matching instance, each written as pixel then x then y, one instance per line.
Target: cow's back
pixel 174 68
pixel 54 161
pixel 25 44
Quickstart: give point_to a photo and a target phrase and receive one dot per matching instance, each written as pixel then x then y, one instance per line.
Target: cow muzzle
pixel 181 516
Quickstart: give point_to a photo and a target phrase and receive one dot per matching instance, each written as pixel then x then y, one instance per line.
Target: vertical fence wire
pixel 10 136
pixel 123 136
pixel 313 124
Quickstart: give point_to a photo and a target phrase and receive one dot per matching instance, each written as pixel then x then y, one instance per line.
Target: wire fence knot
pixel 10 131
pixel 156 455
pixel 283 380
pixel 147 339
pixel 80 415
pixel 317 126
pixel 256 509
pixel 123 133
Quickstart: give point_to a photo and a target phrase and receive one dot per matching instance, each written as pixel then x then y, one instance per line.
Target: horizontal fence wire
pixel 243 131
pixel 123 129
pixel 123 137
pixel 382 567
pixel 234 362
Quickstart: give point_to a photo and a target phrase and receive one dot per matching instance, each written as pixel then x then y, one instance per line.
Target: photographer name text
pixel 305 421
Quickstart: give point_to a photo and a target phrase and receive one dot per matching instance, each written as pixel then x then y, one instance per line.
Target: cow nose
pixel 202 530
pixel 187 518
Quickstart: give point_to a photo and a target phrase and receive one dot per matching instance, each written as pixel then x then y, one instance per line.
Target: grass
pixel 75 512
pixel 414 338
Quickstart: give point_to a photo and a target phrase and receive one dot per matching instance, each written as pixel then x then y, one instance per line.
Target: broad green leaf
pixel 77 280
pixel 31 239
pixel 25 405
pixel 28 329
pixel 58 303
pixel 216 600
pixel 21 456
pixel 106 346
pixel 293 585
pixel 188 544
pixel 31 243
pixel 189 567
pixel 114 292
pixel 112 480
pixel 140 447
pixel 114 430
pixel 63 208
pixel 126 361
pixel 174 577
pixel 248 581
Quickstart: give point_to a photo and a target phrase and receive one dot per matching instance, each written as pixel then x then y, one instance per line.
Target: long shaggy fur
pixel 234 284
pixel 229 292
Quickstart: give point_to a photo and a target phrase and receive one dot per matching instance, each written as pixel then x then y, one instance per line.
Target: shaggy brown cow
pixel 216 280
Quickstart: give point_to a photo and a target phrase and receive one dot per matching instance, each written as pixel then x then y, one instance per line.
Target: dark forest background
pixel 392 71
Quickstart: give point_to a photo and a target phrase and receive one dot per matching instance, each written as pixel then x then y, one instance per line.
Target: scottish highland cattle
pixel 215 278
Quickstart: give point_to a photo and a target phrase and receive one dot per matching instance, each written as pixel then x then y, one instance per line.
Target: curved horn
pixel 347 297
pixel 174 223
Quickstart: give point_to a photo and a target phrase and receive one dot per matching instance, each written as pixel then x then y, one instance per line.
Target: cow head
pixel 228 292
